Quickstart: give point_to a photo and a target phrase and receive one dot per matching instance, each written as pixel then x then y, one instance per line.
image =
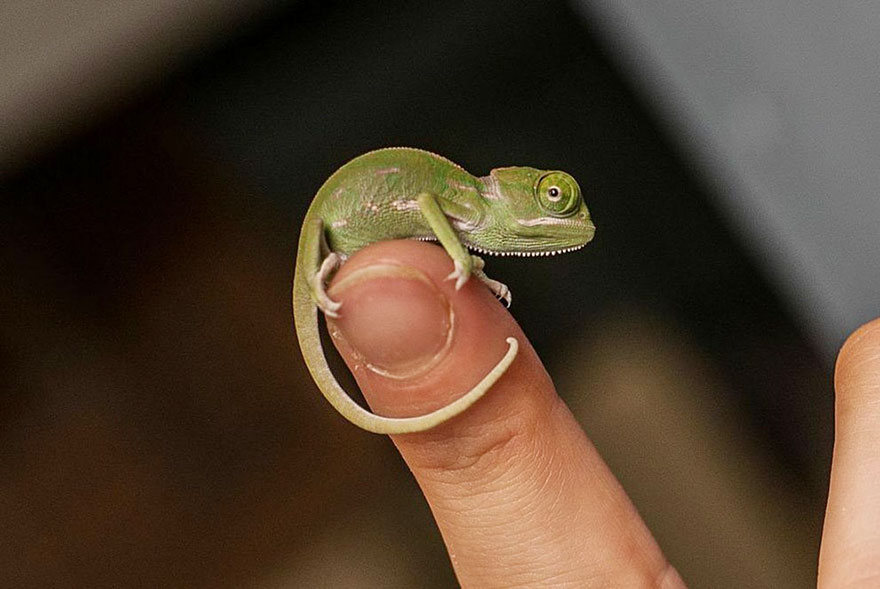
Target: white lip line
pixel 545 221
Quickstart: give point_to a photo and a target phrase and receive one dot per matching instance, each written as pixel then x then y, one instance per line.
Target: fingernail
pixel 394 319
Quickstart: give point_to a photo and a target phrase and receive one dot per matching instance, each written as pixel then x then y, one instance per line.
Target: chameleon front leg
pixel 430 207
pixel 465 263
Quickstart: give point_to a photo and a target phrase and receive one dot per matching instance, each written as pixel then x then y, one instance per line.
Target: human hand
pixel 520 495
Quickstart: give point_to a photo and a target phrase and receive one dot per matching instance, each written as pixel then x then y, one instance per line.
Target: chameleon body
pixel 409 193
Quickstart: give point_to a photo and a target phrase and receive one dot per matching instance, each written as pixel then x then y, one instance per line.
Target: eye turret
pixel 558 194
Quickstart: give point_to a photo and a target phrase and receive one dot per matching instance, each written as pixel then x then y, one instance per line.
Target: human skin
pixel 520 495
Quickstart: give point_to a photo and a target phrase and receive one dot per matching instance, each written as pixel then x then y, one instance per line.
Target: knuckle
pixel 479 449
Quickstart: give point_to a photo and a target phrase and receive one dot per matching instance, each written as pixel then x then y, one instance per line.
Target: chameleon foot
pixel 499 289
pixel 459 275
pixel 322 299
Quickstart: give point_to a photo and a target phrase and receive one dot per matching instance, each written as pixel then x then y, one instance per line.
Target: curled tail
pixel 305 315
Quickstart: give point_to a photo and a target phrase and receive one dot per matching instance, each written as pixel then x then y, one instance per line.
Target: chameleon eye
pixel 558 194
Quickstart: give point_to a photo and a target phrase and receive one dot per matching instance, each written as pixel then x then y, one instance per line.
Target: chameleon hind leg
pixel 317 264
pixel 321 264
pixel 328 266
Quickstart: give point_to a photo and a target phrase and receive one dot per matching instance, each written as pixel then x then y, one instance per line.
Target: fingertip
pixel 850 545
pixel 414 341
pixel 857 371
pixel 867 334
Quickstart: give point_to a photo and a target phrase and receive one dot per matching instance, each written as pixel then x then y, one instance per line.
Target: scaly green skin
pixel 409 193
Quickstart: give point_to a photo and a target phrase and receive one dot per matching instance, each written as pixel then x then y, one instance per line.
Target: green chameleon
pixel 401 192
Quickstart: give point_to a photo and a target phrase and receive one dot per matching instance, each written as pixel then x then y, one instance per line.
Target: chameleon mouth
pixel 488 252
pixel 526 254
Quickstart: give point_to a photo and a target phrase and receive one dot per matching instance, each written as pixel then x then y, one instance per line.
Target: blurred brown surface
pixel 662 416
pixel 64 63
pixel 158 426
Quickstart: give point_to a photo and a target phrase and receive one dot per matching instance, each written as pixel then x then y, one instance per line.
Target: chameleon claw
pixel 499 289
pixel 459 275
pixel 328 305
pixel 501 292
pixel 322 299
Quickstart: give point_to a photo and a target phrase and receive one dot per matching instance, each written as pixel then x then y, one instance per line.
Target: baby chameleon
pixel 401 192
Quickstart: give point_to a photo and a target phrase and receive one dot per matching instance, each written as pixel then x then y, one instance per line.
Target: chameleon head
pixel 533 212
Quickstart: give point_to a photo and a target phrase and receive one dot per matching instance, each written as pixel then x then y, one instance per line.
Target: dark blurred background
pixel 157 424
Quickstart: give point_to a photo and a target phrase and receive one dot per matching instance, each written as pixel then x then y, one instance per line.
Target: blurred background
pixel 157 424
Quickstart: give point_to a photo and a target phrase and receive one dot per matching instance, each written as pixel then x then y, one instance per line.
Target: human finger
pixel 850 554
pixel 521 496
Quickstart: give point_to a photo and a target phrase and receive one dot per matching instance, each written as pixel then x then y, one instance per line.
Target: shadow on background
pixel 159 427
